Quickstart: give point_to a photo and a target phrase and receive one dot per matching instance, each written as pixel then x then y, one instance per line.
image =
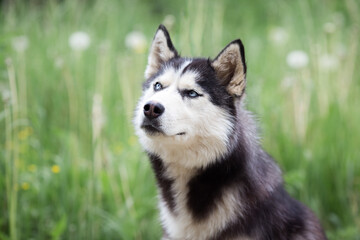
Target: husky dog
pixel 214 179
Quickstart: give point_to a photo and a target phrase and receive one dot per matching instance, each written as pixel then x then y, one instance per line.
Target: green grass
pixel 60 180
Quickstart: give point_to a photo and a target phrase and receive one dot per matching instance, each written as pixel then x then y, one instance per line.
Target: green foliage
pixel 70 165
pixel 59 228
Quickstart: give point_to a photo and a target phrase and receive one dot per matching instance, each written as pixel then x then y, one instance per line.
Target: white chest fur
pixel 180 224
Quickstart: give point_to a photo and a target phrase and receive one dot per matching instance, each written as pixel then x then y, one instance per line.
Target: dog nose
pixel 153 110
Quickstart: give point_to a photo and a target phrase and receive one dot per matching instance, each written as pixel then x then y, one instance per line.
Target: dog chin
pixel 152 131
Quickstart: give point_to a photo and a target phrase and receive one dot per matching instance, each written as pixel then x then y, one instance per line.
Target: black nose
pixel 153 110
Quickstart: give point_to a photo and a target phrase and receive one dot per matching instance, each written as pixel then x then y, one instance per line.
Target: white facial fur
pixel 206 126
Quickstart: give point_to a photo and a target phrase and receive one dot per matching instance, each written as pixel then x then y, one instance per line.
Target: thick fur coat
pixel 215 181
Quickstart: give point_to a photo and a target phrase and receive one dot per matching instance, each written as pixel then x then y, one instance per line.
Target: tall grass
pixel 70 165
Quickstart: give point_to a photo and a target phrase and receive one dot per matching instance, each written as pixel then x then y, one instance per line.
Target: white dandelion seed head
pixel 328 62
pixel 136 41
pixel 169 21
pixel 329 27
pixel 278 35
pixel 297 59
pixel 79 41
pixel 20 43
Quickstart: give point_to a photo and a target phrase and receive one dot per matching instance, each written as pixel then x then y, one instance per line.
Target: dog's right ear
pixel 161 51
pixel 230 68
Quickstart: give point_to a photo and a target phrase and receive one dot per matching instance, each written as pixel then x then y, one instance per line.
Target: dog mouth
pixel 153 129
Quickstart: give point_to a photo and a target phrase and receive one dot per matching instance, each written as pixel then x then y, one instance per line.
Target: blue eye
pixel 193 94
pixel 157 86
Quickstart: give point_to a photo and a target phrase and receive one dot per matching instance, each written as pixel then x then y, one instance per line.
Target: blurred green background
pixel 70 76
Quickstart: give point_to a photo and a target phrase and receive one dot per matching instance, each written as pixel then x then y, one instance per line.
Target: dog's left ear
pixel 161 51
pixel 230 68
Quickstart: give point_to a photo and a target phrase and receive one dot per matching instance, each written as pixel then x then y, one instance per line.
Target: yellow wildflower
pixel 25 133
pixel 32 168
pixel 25 186
pixel 55 169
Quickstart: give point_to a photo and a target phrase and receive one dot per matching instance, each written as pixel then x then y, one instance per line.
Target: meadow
pixel 70 75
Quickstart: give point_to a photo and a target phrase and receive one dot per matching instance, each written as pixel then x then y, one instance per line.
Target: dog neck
pixel 198 200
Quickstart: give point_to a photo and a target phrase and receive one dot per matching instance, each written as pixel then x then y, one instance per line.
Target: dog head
pixel 188 104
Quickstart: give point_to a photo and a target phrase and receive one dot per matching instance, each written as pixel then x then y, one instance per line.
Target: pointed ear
pixel 230 68
pixel 161 51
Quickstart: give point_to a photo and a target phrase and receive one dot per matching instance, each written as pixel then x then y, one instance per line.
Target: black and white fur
pixel 215 181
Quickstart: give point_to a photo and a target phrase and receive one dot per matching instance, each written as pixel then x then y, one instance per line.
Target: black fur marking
pixel 208 185
pixel 270 216
pixel 168 39
pixel 207 80
pixel 277 217
pixel 164 183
